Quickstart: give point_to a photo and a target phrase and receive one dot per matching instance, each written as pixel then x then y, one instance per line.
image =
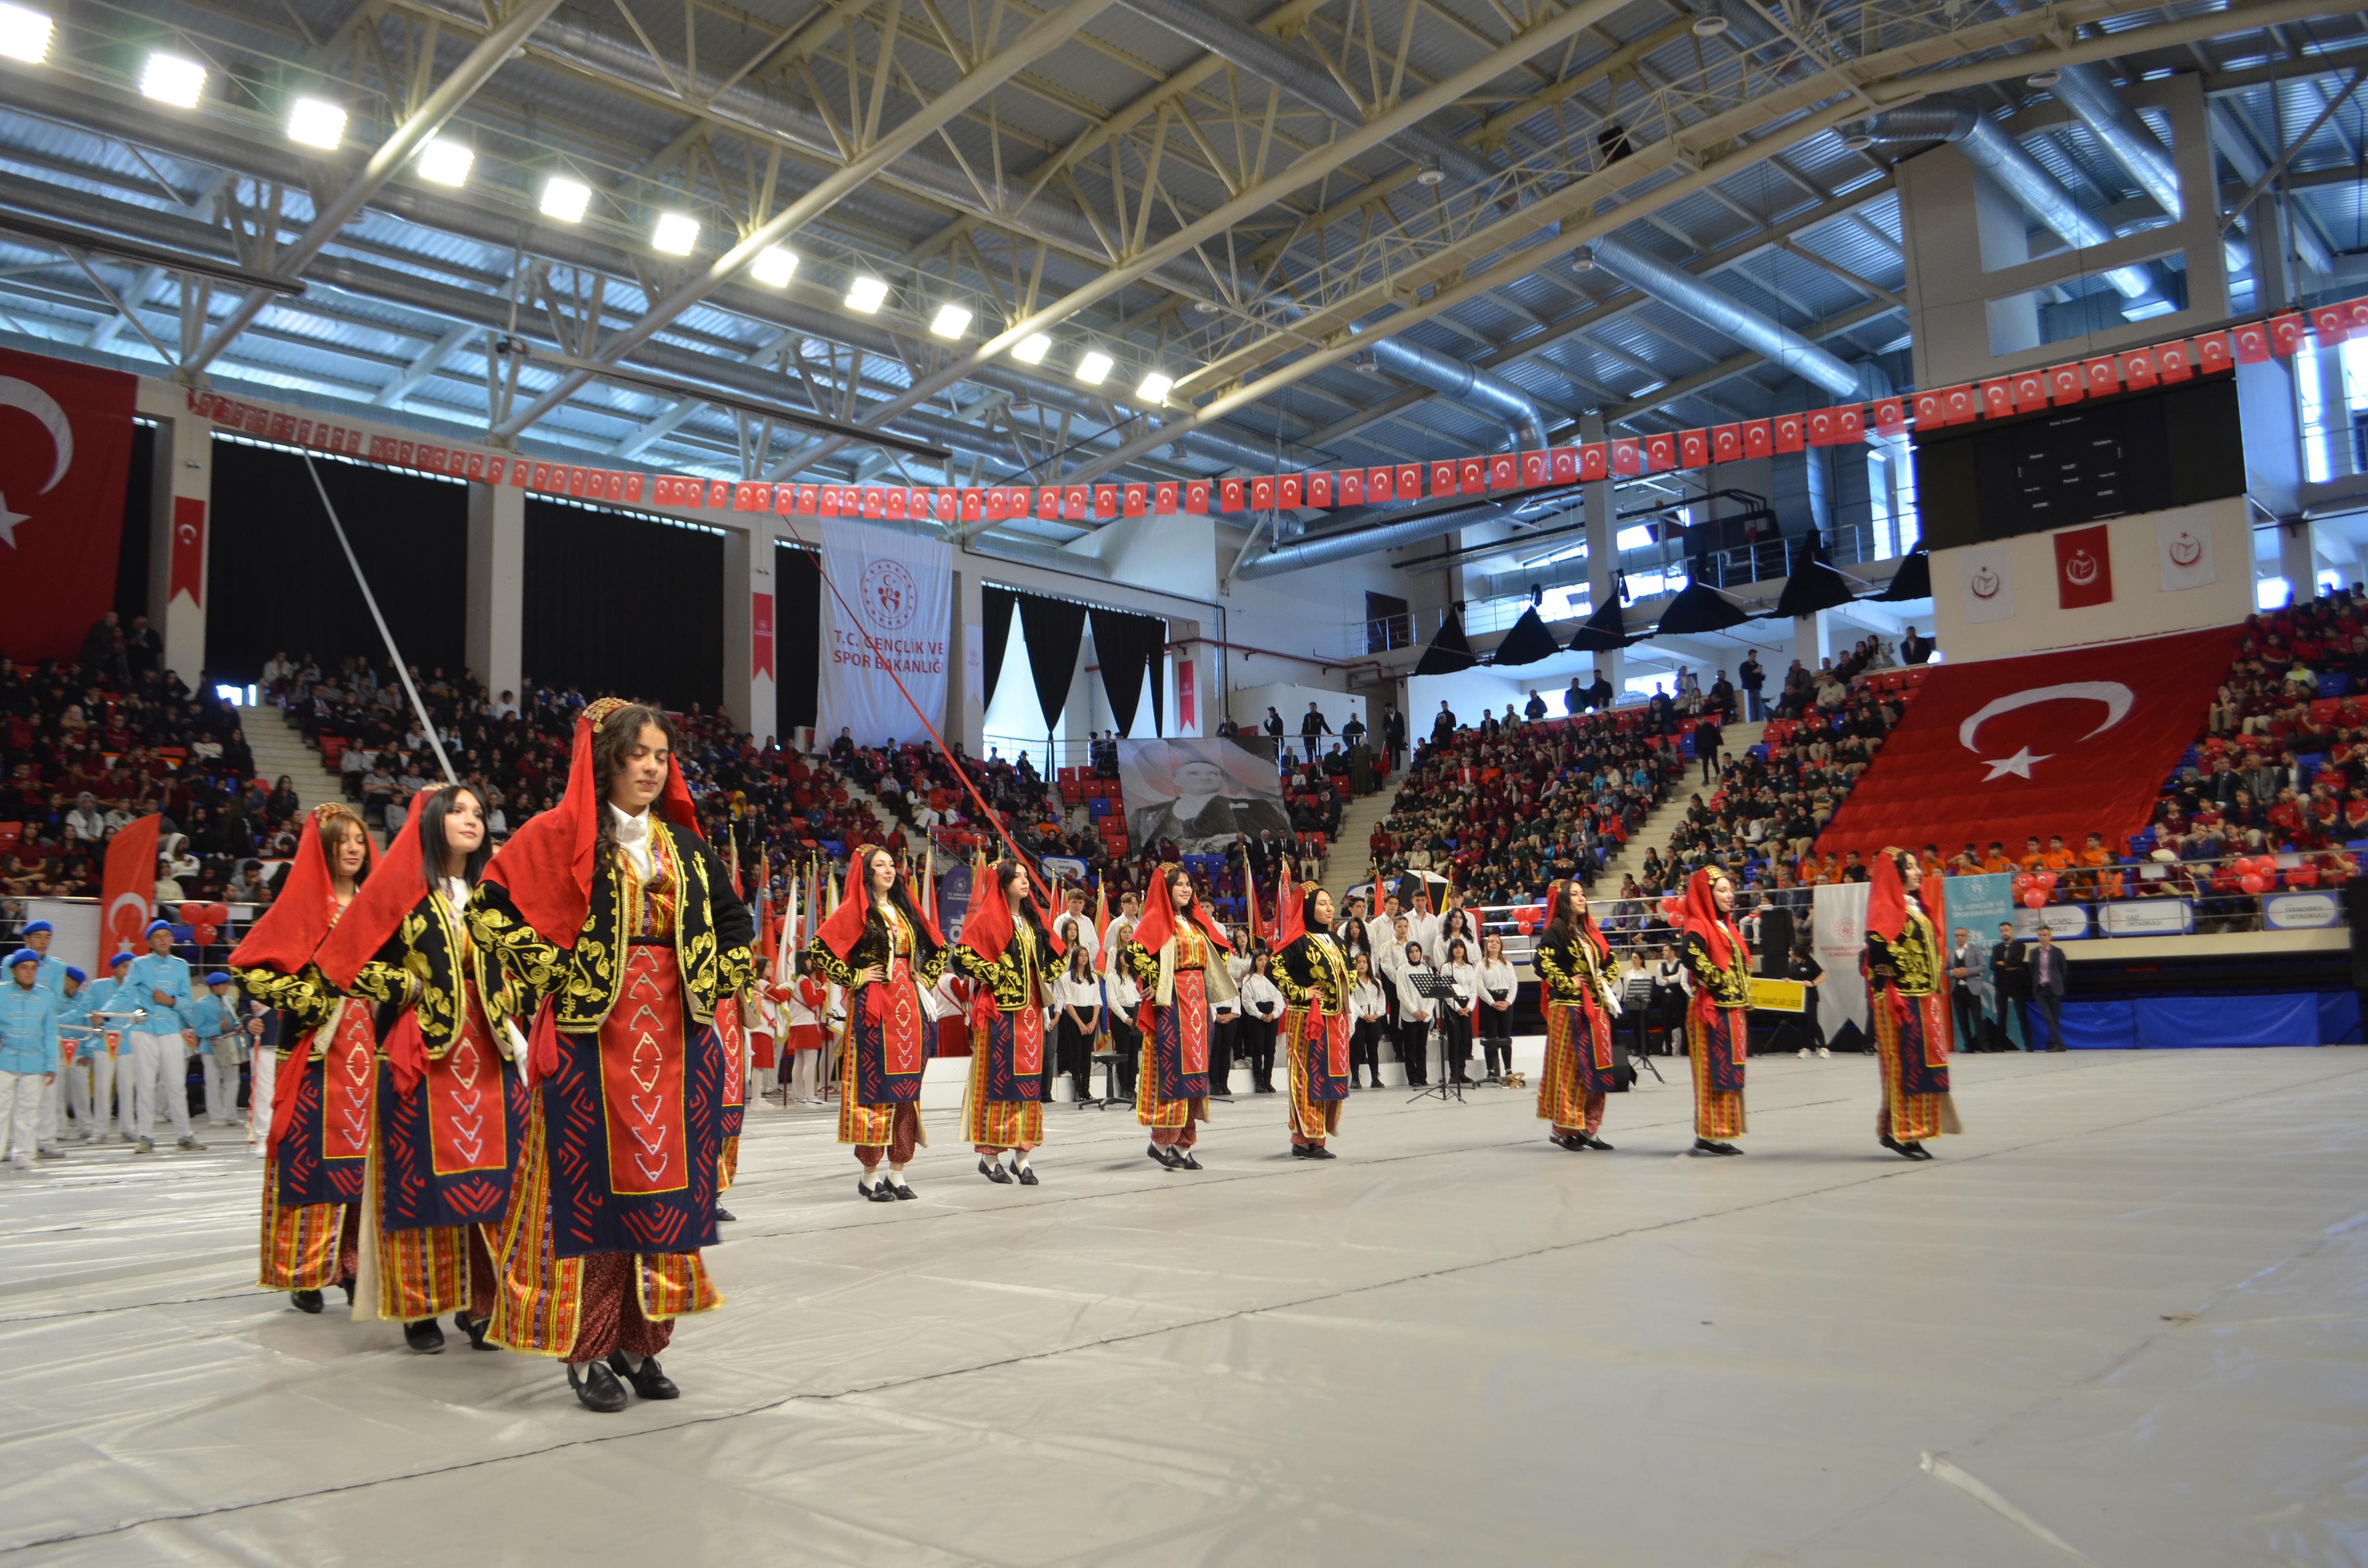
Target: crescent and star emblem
pixel 17 393
pixel 2186 549
pixel 1984 584
pixel 2117 697
pixel 2081 570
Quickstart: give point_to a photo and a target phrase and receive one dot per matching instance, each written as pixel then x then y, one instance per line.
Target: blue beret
pixel 35 927
pixel 218 977
pixel 118 960
pixel 23 955
pixel 75 975
pixel 157 926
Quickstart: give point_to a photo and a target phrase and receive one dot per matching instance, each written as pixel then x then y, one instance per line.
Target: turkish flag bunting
pixel 1850 425
pixel 2104 375
pixel 1726 443
pixel 1287 491
pixel 875 502
pixel 1758 441
pixel 2067 384
pixel 1562 464
pixel 1196 498
pixel 2286 333
pixel 1409 481
pixel 1352 487
pixel 2252 343
pixel 1378 483
pixel 809 502
pixel 2212 353
pixel 827 503
pixel 2174 361
pixel 2332 323
pixel 1997 398
pixel 1536 467
pixel 1230 495
pixel 1960 403
pixel 2030 390
pixel 1822 423
pixel 994 504
pixel 1594 460
pixel 1504 470
pixel 2084 568
pixel 1442 481
pixel 1891 416
pixel 1262 495
pixel 2137 369
pixel 1319 490
pixel 1134 501
pixel 1786 432
pixel 65 456
pixel 1164 496
pixel 1693 449
pixel 1627 459
pixel 894 501
pixel 1105 501
pixel 1471 476
pixel 2051 742
pixel 719 493
pixel 1660 452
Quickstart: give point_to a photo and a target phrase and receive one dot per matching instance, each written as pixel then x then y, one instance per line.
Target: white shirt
pixel 1082 995
pixel 1261 997
pixel 1496 976
pixel 1467 986
pixel 1414 1007
pixel 633 830
pixel 1085 938
pixel 1367 1001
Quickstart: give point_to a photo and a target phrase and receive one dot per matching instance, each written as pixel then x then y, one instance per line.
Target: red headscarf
pixel 844 927
pixel 986 925
pixel 385 899
pixel 1291 914
pixel 1585 921
pixel 1886 899
pixel 547 865
pixel 292 929
pixel 1700 917
pixel 1158 922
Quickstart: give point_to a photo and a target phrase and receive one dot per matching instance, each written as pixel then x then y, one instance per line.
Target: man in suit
pixel 1394 736
pixel 2010 985
pixel 2047 977
pixel 1965 1000
pixel 1312 728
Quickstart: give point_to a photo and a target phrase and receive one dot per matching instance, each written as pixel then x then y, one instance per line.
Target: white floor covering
pixel 2123 1320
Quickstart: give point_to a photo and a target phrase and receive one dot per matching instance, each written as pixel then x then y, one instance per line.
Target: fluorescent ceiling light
pixel 446 163
pixel 1033 348
pixel 774 265
pixel 1093 367
pixel 169 79
pixel 24 34
pixel 1154 387
pixel 866 293
pixel 565 199
pixel 316 124
pixel 675 234
pixel 952 322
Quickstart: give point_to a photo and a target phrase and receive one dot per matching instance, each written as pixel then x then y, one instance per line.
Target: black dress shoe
pixel 1184 1160
pixel 649 1383
pixel 1299 1151
pixel 722 1214
pixel 305 1301
pixel 878 1192
pixel 1318 1151
pixel 427 1337
pixel 1574 1143
pixel 1025 1176
pixel 993 1171
pixel 1895 1145
pixel 1595 1142
pixel 899 1189
pixel 1710 1146
pixel 475 1329
pixel 1163 1157
pixel 1916 1151
pixel 598 1388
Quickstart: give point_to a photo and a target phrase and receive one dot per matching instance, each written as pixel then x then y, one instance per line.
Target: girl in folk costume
pixel 886 954
pixel 446 1116
pixel 318 1085
pixel 1716 1034
pixel 1903 967
pixel 1573 962
pixel 1011 960
pixel 1313 976
pixel 1177 957
pixel 612 910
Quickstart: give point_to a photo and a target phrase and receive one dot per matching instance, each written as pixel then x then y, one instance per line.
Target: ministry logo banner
pixel 893 626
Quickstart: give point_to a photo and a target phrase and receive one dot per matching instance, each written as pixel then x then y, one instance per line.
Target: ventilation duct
pixel 1728 316
pixel 1347 544
pixel 2128 142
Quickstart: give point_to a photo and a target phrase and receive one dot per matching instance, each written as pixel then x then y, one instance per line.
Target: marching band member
pixel 28 1055
pixel 1316 986
pixel 887 955
pixel 96 1032
pixel 160 1039
pixel 222 1036
pixel 1717 1036
pixel 1177 957
pixel 613 910
pixel 315 1093
pixel 1903 965
pixel 1006 952
pixel 1575 963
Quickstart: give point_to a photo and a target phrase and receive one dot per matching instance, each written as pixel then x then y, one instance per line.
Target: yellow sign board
pixel 1780 995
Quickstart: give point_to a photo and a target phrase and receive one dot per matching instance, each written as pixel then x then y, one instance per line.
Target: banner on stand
pixel 888 623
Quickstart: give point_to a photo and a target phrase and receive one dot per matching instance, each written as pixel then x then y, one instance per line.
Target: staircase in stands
pixel 1350 858
pixel 1664 818
pixel 279 749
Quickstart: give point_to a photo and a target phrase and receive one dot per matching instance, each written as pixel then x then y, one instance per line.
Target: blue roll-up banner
pixel 1980 905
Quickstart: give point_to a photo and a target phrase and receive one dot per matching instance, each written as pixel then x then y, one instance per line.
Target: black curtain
pixel 1528 641
pixel 1055 629
pixel 1127 645
pixel 279 582
pixel 618 605
pixel 139 512
pixel 995 606
pixel 797 639
pixel 1451 652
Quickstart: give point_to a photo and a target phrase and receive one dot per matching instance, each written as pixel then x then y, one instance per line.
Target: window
pixel 1645 685
pixel 2270 593
pixel 1387 623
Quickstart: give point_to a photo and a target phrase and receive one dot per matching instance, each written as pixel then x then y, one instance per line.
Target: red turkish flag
pixel 1660 452
pixel 1319 490
pixel 2286 333
pixel 2174 361
pixel 2067 384
pixel 1758 440
pixel 1229 495
pixel 1824 425
pixel 2332 323
pixel 1503 470
pixel 1562 464
pixel 1594 459
pixel 2030 390
pixel 65 453
pixel 2137 369
pixel 1627 459
pixel 1997 398
pixel 2212 354
pixel 1890 417
pixel 1287 491
pixel 1196 496
pixel 1787 432
pixel 1134 500
pixel 1409 483
pixel 2084 568
pixel 128 888
pixel 2104 374
pixel 1726 443
pixel 1351 487
pixel 1262 494
pixel 1166 498
pixel 760 632
pixel 893 501
pixel 1536 467
pixel 1961 403
pixel 1931 409
pixel 1471 476
pixel 2252 344
pixel 1850 425
pixel 2070 742
pixel 1377 485
pixel 188 550
pixel 1693 449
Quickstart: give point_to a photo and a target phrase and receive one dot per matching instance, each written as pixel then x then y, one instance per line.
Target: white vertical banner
pixel 2184 539
pixel 1989 590
pixel 1837 926
pixel 898 588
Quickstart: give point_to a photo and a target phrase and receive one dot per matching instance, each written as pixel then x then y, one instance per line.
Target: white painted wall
pixel 1290 700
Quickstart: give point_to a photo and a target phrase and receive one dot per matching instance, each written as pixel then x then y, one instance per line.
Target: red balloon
pixel 2045 880
pixel 2034 899
pixel 192 913
pixel 218 915
pixel 2252 882
pixel 203 933
pixel 1672 907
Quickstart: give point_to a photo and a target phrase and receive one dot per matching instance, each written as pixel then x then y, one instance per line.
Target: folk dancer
pixel 1010 958
pixel 1717 1036
pixel 1573 962
pixel 614 911
pixel 886 955
pixel 1902 965
pixel 1178 955
pixel 1313 975
pixel 317 1091
pixel 448 1117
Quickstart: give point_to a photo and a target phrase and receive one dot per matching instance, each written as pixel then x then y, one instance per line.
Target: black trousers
pixel 2051 1013
pixel 1497 1051
pixel 1365 1050
pixel 1456 1045
pixel 1414 1051
pixel 1256 1044
pixel 1224 1036
pixel 1128 1042
pixel 1073 1052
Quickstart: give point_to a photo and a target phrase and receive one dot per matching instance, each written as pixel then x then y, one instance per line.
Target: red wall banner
pixel 760 632
pixel 2084 568
pixel 188 549
pixel 65 451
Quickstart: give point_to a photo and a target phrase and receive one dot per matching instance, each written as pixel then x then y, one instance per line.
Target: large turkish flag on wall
pixel 65 448
pixel 2076 742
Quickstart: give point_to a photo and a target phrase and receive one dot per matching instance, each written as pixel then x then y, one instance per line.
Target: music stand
pixel 1434 986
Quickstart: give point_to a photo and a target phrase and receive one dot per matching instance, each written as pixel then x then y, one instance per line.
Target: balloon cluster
pixel 205 921
pixel 2032 889
pixel 2255 873
pixel 1526 918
